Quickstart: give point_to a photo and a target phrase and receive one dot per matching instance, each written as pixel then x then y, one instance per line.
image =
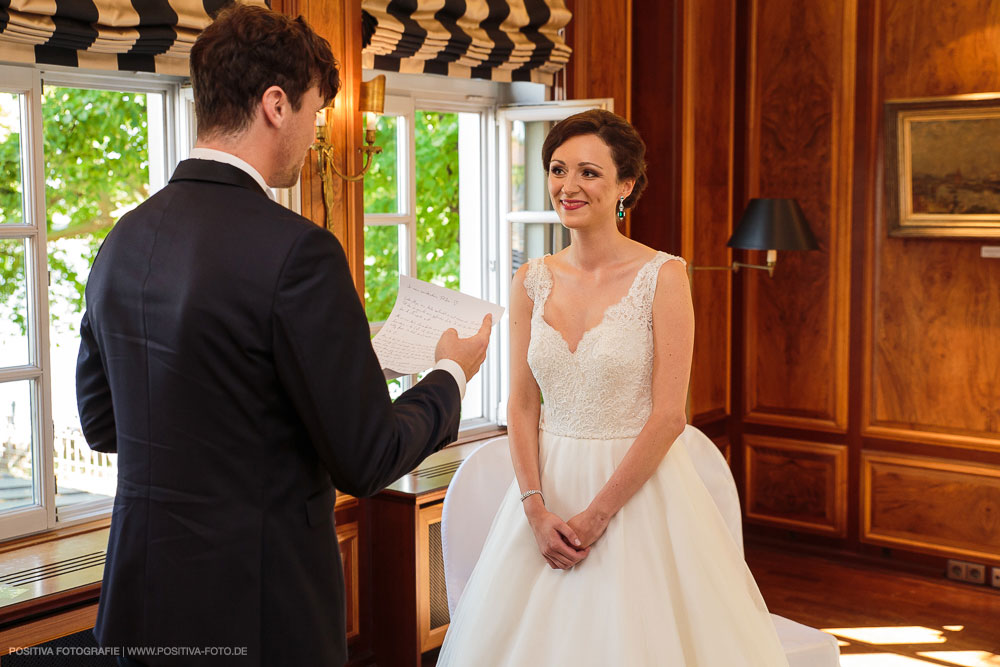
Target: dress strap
pixel 645 282
pixel 538 281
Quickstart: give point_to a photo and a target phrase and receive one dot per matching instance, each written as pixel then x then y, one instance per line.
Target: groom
pixel 225 357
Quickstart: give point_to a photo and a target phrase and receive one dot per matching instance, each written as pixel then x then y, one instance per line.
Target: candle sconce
pixel 371 103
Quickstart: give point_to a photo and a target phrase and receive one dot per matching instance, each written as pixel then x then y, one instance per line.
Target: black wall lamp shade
pixel 773 224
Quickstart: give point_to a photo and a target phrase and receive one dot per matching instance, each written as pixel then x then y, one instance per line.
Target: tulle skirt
pixel 666 585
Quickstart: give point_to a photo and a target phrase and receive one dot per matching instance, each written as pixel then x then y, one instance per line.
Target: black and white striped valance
pixel 502 40
pixel 128 35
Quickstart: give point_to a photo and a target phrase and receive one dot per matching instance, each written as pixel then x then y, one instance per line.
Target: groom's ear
pixel 275 106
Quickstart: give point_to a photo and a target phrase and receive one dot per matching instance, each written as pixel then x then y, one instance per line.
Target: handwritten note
pixel 423 312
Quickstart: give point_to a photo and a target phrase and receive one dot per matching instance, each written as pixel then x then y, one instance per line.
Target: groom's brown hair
pixel 245 51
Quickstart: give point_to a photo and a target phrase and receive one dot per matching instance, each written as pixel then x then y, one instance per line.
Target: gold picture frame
pixel 942 166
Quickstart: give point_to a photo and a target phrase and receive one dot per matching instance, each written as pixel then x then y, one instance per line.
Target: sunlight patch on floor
pixel 911 634
pixel 964 658
pixel 881 660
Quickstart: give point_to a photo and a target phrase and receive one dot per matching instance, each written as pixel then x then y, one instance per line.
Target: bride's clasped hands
pixel 558 543
pixel 564 544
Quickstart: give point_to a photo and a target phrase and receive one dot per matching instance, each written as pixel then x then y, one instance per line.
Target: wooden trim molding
pixel 796 484
pixel 949 439
pixel 430 638
pixel 48 628
pixel 934 506
pixel 347 537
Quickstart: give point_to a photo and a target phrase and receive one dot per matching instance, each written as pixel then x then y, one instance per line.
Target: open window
pixel 458 198
pixel 528 225
pixel 77 151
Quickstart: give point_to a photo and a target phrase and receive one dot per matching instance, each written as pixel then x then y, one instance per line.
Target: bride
pixel 607 549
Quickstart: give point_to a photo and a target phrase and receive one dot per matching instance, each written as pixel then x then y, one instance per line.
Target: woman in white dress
pixel 607 549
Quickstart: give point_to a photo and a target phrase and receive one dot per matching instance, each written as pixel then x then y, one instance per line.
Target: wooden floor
pixel 883 617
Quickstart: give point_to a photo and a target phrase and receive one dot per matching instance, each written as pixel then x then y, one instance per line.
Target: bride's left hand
pixel 588 526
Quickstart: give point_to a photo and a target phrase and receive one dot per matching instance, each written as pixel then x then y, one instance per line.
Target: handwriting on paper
pixel 423 312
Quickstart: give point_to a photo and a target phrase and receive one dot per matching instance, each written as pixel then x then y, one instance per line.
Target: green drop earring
pixel 621 207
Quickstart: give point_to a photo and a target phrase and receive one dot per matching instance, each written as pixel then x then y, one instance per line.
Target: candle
pixel 321 118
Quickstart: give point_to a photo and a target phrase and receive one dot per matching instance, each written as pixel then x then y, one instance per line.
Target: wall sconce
pixel 371 103
pixel 771 225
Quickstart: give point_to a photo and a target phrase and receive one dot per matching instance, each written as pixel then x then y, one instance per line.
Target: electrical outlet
pixel 995 580
pixel 957 569
pixel 975 573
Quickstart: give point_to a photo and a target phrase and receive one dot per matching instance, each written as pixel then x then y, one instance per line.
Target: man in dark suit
pixel 226 358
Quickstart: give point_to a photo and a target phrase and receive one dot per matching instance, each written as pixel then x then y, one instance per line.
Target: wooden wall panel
pixel 657 42
pixel 339 21
pixel 931 505
pixel 800 124
pixel 931 351
pixel 796 484
pixel 708 195
pixel 600 33
pixel 683 92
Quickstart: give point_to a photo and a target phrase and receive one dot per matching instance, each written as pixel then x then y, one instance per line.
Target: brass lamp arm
pixel 326 159
pixel 736 266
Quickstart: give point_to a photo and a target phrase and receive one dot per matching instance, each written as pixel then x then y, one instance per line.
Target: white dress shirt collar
pixel 230 159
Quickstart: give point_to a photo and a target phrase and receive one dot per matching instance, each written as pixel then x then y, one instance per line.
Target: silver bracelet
pixel 531 492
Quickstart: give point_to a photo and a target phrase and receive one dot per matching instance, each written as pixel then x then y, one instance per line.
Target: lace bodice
pixel 603 389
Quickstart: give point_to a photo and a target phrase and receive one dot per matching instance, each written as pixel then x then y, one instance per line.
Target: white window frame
pixel 406 96
pixel 165 151
pixel 505 118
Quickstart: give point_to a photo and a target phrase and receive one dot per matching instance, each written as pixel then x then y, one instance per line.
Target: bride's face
pixel 583 182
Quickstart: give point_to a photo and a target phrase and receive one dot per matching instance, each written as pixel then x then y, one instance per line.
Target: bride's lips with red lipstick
pixel 572 204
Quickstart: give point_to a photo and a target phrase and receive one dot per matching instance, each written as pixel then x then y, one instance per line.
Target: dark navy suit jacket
pixel 225 357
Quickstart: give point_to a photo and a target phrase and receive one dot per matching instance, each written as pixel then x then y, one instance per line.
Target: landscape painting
pixel 943 167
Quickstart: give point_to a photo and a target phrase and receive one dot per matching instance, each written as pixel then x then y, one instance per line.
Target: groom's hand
pixel 468 353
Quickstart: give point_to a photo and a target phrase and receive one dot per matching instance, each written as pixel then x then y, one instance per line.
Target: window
pixel 424 213
pixel 458 198
pixel 77 151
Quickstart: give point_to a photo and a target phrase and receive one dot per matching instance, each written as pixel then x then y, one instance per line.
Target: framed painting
pixel 942 164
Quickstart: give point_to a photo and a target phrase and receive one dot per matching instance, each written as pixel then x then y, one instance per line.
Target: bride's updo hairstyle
pixel 627 148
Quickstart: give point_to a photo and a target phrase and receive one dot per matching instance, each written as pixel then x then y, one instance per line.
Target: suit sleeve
pixel 327 366
pixel 93 394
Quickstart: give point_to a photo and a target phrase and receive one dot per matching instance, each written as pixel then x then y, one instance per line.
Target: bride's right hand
pixel 555 539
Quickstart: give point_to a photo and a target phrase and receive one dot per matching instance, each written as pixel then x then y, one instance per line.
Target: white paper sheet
pixel 423 312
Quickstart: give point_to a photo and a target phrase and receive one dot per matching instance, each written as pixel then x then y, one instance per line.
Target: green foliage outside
pixel 96 168
pixel 436 136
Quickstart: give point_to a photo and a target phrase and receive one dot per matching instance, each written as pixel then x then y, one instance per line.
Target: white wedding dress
pixel 666 585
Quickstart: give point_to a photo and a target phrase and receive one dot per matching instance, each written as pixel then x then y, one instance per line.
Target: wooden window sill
pixel 52 571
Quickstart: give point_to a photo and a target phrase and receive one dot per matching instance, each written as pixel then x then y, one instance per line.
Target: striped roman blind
pixel 128 35
pixel 502 40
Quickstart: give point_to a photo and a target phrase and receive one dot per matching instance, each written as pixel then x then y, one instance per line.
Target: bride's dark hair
pixel 627 148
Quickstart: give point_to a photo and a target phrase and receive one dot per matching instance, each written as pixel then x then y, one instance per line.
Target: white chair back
pixel 472 500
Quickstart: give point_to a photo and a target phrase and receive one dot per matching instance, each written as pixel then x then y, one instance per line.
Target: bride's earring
pixel 621 207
